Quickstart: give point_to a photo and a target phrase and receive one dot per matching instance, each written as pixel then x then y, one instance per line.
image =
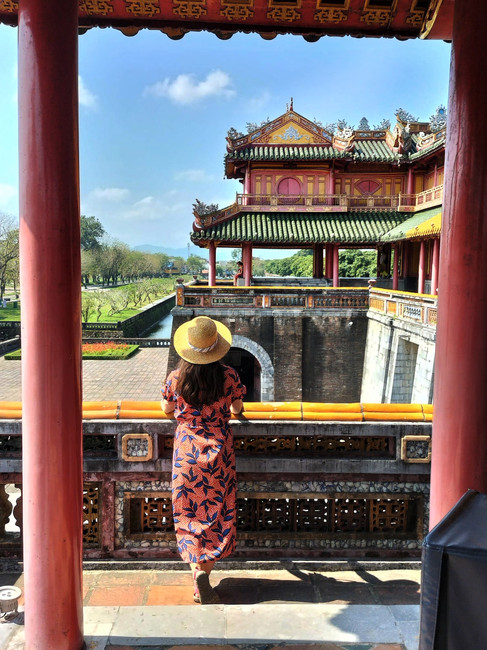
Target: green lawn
pixel 167 287
pixel 10 313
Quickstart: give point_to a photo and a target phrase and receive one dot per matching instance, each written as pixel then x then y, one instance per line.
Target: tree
pixel 92 302
pixel 92 233
pixel 195 264
pixel 9 251
pixel 356 263
pixel 258 266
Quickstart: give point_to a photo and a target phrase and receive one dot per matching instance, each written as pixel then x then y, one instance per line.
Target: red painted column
pixel 51 323
pixel 247 263
pixel 329 261
pixel 336 279
pixel 212 261
pixel 410 187
pixel 246 185
pixel 405 259
pixel 435 176
pixel 459 457
pixel 318 261
pixel 421 267
pixel 395 271
pixel 435 264
pixel 331 182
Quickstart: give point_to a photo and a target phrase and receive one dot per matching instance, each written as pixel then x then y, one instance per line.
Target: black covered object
pixel 454 579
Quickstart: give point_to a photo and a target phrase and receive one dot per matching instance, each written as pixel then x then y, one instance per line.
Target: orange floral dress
pixel 204 482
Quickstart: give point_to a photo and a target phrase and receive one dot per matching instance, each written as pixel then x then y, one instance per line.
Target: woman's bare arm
pixel 166 406
pixel 236 407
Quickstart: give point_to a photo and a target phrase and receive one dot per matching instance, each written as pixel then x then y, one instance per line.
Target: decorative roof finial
pixel 291 105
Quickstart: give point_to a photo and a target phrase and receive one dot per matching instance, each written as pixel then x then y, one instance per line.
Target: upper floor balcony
pixel 411 307
pixel 323 203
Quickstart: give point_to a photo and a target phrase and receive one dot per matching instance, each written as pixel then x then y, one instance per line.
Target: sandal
pixel 203 590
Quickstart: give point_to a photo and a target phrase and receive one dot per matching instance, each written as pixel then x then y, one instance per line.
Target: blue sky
pixel 154 112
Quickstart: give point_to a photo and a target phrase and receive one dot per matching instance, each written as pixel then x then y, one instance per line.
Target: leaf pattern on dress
pixel 203 477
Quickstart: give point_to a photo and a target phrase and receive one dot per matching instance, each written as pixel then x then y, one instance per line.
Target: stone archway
pixel 267 369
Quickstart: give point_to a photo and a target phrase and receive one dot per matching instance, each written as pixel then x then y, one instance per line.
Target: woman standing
pixel 203 393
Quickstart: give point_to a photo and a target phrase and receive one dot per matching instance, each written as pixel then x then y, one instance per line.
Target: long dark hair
pixel 200 384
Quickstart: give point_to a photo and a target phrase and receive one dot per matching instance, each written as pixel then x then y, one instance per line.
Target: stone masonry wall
pixel 333 357
pixel 392 344
pixel 317 355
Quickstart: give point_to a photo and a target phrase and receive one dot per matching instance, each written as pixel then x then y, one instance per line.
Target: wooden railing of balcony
pixel 416 308
pixel 205 297
pixel 427 199
pixel 323 203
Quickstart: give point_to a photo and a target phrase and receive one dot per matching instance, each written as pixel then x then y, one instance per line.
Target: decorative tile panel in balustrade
pixel 137 447
pixel 412 312
pixel 416 449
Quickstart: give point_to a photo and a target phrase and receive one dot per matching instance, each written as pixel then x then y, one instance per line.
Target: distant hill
pixel 173 252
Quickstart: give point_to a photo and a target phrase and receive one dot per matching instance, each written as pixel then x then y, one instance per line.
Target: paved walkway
pixel 137 378
pixel 355 610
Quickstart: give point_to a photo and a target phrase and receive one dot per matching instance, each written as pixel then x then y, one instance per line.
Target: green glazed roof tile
pixel 398 232
pixel 364 227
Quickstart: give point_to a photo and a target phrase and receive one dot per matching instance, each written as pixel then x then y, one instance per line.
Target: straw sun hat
pixel 202 340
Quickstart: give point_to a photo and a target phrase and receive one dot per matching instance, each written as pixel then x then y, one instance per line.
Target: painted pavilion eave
pixel 309 18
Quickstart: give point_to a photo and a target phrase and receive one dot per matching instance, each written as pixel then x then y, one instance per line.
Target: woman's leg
pixel 203 591
pixel 207 567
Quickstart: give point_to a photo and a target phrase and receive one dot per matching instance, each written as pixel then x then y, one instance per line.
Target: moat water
pixel 162 329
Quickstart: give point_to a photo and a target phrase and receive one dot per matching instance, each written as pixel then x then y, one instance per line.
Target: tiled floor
pixel 136 378
pixel 134 588
pixel 260 610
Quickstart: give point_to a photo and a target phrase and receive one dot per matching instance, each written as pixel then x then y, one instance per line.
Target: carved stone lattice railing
pixel 312 488
pixel 272 297
pixel 416 308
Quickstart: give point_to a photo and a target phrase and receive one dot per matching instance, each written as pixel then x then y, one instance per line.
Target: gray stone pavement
pixel 324 627
pixel 136 378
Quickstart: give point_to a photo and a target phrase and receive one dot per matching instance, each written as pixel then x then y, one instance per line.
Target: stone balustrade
pixel 414 308
pixel 272 297
pixel 314 480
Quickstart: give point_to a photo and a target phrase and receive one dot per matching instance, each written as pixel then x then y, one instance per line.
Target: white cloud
pixel 110 193
pixel 86 97
pixel 7 194
pixel 147 200
pixel 193 176
pixel 186 89
pixel 257 103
